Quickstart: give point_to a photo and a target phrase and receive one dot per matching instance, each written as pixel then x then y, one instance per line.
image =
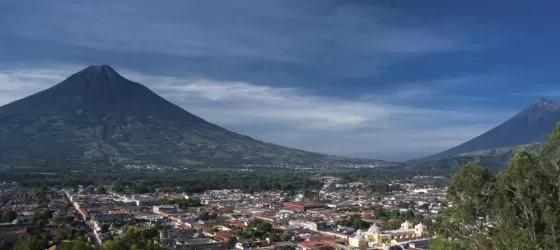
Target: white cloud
pixel 16 84
pixel 292 117
pixel 263 103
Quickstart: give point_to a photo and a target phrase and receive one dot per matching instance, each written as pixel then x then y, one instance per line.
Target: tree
pixel 232 240
pixel 132 238
pixel 105 228
pixel 9 216
pixel 100 190
pixel 32 242
pixel 77 244
pixel 286 247
pixel 260 225
pixel 466 221
pixel 274 237
pixel 118 187
pixel 4 245
pixel 379 213
pixel 358 223
pixel 59 235
pixel 213 216
pixel 424 206
pixel 204 216
pixel 441 243
pixel 518 209
pixel 411 204
pixel 526 198
pixel 404 205
pixel 354 221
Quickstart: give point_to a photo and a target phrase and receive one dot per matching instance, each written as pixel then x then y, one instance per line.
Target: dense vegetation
pixel 259 229
pixel 516 209
pixel 186 181
pixel 354 221
pixel 132 239
pixel 198 180
pixel 182 203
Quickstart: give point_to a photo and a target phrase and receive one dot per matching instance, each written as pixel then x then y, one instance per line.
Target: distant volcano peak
pixel 544 104
pixel 544 101
pixel 531 125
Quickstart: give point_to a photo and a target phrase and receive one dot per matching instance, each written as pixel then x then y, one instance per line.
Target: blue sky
pixel 379 79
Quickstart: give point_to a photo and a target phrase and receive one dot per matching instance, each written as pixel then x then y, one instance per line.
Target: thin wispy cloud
pixel 439 90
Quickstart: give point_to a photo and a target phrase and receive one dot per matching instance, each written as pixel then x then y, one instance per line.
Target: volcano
pixel 532 125
pixel 97 115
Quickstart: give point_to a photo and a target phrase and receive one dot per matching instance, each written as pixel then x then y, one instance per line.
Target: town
pixel 351 215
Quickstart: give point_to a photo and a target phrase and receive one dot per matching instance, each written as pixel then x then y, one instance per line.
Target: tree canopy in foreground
pixel 515 209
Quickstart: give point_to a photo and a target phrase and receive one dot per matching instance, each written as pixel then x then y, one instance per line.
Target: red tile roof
pixel 14 231
pixel 311 245
pixel 239 224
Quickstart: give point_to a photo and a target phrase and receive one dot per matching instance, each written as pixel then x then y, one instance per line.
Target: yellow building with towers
pixel 374 237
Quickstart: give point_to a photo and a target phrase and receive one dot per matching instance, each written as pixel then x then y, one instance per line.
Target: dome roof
pixel 420 225
pixel 373 229
pixel 359 235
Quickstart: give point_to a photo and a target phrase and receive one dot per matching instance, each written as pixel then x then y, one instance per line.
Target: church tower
pixel 420 229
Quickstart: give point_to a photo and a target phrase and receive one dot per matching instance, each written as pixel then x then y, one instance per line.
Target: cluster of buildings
pixel 332 165
pixel 223 219
pixel 21 205
pixel 7 191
